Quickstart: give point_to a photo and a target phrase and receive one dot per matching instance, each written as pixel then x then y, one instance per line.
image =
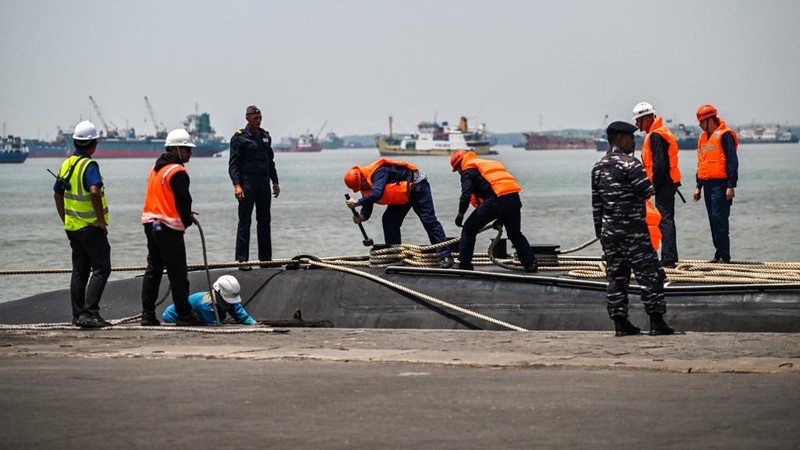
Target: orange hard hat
pixel 455 159
pixel 352 179
pixel 706 111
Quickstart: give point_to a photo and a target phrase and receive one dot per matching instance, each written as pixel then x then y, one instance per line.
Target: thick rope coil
pixel 704 272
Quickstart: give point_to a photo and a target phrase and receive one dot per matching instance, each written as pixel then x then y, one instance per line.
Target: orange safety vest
pixel 502 182
pixel 711 162
pixel 647 154
pixel 159 199
pixel 653 219
pixel 394 193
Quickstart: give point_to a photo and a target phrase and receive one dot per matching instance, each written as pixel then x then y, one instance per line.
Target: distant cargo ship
pixel 435 139
pixel 542 141
pixel 12 150
pixel 130 146
pixel 57 148
pixel 766 135
pixel 331 141
pixel 687 139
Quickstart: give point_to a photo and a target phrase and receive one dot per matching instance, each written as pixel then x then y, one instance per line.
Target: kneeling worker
pixel 494 193
pixel 401 186
pixel 619 189
pixel 227 300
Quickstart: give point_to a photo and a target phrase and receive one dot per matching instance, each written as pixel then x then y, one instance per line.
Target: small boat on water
pixel 304 143
pixel 12 150
pixel 435 139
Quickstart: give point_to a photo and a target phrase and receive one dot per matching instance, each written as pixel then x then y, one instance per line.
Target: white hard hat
pixel 179 138
pixel 85 131
pixel 228 287
pixel 642 109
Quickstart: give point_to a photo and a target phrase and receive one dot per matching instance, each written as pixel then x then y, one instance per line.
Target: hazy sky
pixel 511 64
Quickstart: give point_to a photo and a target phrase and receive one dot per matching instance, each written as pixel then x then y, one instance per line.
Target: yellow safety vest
pixel 78 209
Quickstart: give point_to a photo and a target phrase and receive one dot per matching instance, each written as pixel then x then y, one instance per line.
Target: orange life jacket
pixel 653 219
pixel 711 162
pixel 159 199
pixel 394 193
pixel 647 154
pixel 495 173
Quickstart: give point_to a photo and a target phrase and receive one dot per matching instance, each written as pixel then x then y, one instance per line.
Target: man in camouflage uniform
pixel 619 190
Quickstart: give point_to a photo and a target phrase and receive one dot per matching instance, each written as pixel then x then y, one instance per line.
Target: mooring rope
pixel 694 271
pixel 198 329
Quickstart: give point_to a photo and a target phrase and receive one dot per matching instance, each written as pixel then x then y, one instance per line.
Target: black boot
pixel 658 327
pixel 189 321
pixel 149 319
pixel 624 327
pixel 447 262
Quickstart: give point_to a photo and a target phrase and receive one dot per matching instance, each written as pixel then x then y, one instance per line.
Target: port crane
pixel 110 132
pixel 320 129
pixel 161 130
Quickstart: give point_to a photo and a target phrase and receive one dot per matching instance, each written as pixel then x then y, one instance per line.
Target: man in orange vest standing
pixel 401 186
pixel 166 214
pixel 660 161
pixel 619 190
pixel 717 173
pixel 494 193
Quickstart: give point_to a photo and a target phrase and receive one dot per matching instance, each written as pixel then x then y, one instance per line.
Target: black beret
pixel 253 109
pixel 620 127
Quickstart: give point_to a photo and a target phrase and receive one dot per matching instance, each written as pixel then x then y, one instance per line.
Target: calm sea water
pixel 310 216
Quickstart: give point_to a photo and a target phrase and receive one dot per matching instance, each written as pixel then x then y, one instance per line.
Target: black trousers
pixel 91 255
pixel 507 209
pixel 665 203
pixel 258 194
pixel 165 249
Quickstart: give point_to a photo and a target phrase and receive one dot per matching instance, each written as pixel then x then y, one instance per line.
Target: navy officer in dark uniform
pixel 251 168
pixel 619 190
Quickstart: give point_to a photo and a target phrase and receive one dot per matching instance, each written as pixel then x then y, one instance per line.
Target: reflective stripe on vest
pixel 159 199
pixel 711 162
pixel 495 173
pixel 653 219
pixel 647 155
pixel 394 193
pixel 78 209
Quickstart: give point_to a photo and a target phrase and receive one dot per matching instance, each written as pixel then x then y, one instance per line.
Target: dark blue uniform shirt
pixel 251 155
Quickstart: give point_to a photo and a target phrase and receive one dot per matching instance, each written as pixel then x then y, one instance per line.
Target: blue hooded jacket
pixel 204 309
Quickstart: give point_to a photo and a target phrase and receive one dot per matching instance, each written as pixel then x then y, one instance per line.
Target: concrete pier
pixel 356 388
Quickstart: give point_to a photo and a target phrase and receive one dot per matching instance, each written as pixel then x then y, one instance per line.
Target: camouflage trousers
pixel 633 252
